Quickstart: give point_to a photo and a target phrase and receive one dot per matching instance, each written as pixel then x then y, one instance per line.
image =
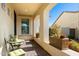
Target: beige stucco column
pixel 44 28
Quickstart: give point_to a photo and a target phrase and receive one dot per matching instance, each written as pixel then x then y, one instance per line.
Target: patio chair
pixel 18 52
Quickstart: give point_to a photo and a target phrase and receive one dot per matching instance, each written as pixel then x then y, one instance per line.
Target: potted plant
pixel 12 38
pixel 37 35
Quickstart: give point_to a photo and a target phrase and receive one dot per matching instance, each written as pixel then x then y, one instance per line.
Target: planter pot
pixel 37 35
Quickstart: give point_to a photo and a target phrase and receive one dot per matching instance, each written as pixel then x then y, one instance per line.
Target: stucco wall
pixel 36 25
pixel 19 18
pixel 69 20
pixel 6 26
pixel 6 23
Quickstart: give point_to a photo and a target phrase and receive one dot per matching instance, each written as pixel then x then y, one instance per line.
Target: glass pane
pixel 25 26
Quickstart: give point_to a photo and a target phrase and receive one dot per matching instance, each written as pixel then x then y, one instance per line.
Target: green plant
pixel 70 36
pixel 12 38
pixel 50 32
pixel 74 45
pixel 54 30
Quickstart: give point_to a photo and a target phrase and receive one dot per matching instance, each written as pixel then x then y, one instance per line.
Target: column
pixel 44 27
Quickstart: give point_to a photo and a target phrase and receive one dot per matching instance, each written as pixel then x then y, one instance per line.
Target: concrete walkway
pixel 33 49
pixel 71 52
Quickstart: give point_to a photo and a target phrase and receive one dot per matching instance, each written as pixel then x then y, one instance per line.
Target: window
pixel 25 26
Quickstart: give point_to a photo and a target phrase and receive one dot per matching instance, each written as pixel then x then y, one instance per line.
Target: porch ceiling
pixel 26 8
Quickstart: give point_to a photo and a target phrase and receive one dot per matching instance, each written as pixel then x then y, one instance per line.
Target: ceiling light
pixel 25 10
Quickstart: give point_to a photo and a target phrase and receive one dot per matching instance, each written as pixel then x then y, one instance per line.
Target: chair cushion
pixel 17 52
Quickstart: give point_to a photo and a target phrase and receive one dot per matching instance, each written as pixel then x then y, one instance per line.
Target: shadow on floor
pixel 33 49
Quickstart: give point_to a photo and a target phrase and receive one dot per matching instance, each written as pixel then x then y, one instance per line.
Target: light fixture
pixel 25 10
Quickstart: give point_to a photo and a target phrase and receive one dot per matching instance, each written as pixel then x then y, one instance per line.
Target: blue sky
pixel 59 8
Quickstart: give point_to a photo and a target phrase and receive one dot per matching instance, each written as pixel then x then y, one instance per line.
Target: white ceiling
pixel 26 8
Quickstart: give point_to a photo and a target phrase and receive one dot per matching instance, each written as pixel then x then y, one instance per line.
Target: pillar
pixel 44 27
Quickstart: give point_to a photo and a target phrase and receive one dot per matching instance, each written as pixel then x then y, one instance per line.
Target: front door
pixel 25 26
pixel 72 32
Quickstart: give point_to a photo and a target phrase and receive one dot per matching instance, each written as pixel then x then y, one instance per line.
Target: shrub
pixel 74 45
pixel 50 32
pixel 54 30
pixel 70 36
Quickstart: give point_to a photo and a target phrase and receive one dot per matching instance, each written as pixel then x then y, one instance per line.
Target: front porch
pixel 25 21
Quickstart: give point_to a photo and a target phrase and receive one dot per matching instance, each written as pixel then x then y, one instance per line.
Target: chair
pixel 18 52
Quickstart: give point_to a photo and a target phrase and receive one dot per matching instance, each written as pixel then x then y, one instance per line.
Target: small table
pixel 17 43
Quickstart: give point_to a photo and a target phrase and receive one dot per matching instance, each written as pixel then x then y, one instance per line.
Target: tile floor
pixel 33 49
